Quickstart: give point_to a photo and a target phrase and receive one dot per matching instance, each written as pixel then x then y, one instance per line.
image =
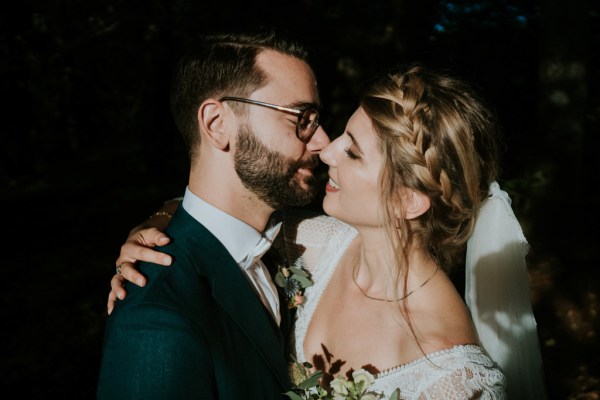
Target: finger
pixel 153 256
pixel 117 291
pixel 129 272
pixel 112 299
pixel 133 251
pixel 151 237
pixel 116 285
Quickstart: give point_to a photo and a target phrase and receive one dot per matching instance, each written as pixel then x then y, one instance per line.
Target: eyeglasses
pixel 308 118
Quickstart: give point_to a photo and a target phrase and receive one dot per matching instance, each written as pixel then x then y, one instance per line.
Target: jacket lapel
pixel 231 289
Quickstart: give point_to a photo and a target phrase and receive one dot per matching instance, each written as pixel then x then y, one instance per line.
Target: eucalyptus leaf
pixel 280 279
pixel 298 271
pixel 304 282
pixel 312 381
pixel 293 395
pixel 395 395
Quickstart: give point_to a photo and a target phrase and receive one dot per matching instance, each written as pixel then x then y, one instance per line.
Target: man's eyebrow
pixel 354 142
pixel 301 105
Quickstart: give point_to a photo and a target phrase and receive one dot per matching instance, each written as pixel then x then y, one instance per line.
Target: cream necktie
pixel 256 270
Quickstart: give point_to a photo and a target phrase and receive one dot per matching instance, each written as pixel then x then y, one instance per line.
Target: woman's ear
pixel 414 203
pixel 211 120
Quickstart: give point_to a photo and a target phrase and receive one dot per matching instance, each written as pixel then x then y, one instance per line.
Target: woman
pixel 407 180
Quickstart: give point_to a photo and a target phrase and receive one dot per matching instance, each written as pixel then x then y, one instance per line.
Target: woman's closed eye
pixel 351 154
pixel 352 149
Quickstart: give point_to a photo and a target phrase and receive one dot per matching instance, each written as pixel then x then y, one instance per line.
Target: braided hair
pixel 439 138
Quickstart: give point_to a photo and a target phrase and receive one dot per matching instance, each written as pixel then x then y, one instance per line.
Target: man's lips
pixel 305 171
pixel 307 166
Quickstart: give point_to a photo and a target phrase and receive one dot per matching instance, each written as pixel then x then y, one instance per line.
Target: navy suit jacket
pixel 197 330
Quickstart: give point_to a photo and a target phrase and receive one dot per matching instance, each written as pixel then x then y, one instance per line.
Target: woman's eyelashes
pixel 351 155
pixel 352 149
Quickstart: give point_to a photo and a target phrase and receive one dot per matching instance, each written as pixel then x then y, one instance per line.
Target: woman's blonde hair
pixel 437 137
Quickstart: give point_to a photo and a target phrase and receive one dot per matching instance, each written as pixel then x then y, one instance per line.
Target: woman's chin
pixel 328 207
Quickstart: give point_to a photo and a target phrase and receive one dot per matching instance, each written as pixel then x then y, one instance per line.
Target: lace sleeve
pixel 465 383
pixel 461 372
pixel 304 236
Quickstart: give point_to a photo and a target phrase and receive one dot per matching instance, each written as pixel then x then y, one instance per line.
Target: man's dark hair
pixel 217 66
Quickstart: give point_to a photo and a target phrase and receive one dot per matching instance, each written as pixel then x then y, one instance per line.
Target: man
pixel 213 325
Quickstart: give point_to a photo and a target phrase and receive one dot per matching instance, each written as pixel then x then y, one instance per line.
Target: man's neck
pixel 233 198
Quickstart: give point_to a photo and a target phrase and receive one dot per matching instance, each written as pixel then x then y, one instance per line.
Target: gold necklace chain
pixel 389 301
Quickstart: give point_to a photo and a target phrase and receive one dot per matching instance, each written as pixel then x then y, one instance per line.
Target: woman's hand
pixel 138 247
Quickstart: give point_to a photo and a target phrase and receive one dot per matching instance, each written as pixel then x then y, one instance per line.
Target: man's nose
pixel 318 141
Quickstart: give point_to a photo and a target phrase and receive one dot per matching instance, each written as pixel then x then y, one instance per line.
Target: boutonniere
pixel 293 281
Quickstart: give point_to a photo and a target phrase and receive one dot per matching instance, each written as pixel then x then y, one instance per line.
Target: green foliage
pixel 308 385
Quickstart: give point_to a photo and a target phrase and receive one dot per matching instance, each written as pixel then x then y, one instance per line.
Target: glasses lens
pixel 308 123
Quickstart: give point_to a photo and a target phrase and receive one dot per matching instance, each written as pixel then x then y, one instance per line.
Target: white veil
pixel 498 296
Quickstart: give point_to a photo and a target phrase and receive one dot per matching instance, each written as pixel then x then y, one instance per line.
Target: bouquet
pixel 307 385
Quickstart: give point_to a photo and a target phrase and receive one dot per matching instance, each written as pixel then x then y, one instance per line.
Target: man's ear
pixel 414 203
pixel 211 120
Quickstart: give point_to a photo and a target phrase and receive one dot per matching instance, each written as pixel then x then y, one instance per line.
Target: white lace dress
pixel 317 243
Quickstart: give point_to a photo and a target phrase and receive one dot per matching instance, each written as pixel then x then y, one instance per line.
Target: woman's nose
pixel 326 154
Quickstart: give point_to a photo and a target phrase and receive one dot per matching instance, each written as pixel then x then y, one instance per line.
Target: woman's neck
pixel 375 265
pixel 372 259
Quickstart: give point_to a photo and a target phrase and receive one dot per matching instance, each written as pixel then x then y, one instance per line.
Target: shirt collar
pixel 238 237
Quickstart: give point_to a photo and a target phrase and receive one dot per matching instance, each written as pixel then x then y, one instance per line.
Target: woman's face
pixel 355 161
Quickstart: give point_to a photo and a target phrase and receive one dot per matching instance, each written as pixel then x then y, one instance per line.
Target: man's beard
pixel 270 175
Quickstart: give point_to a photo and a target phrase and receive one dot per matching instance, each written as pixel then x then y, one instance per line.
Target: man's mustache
pixel 309 163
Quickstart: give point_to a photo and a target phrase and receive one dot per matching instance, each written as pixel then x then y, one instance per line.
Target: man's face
pixel 269 158
pixel 271 175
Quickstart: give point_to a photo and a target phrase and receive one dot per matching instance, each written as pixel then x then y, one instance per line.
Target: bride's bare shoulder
pixel 441 317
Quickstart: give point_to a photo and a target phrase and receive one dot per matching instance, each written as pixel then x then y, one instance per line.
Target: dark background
pixel 88 149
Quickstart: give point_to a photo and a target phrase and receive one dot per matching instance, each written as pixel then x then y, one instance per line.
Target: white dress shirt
pixel 245 244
